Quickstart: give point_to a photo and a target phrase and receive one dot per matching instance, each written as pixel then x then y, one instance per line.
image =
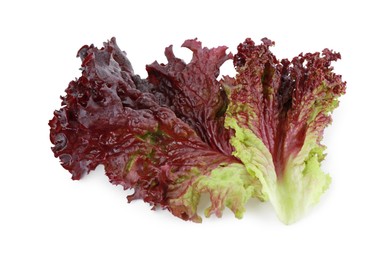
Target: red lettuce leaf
pixel 279 111
pixel 107 119
pixel 182 132
pixel 283 100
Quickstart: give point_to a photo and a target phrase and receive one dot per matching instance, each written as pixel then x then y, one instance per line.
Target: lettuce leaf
pixel 182 132
pixel 279 111
pixel 107 119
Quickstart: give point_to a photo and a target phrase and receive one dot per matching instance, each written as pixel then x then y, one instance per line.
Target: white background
pixel 45 215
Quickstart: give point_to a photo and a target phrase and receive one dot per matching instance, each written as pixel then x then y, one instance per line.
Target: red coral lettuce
pixel 182 132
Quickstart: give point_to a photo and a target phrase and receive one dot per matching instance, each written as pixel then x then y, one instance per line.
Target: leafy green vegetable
pixel 279 111
pixel 182 132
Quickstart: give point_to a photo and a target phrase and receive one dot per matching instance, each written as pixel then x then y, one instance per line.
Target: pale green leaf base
pixel 303 181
